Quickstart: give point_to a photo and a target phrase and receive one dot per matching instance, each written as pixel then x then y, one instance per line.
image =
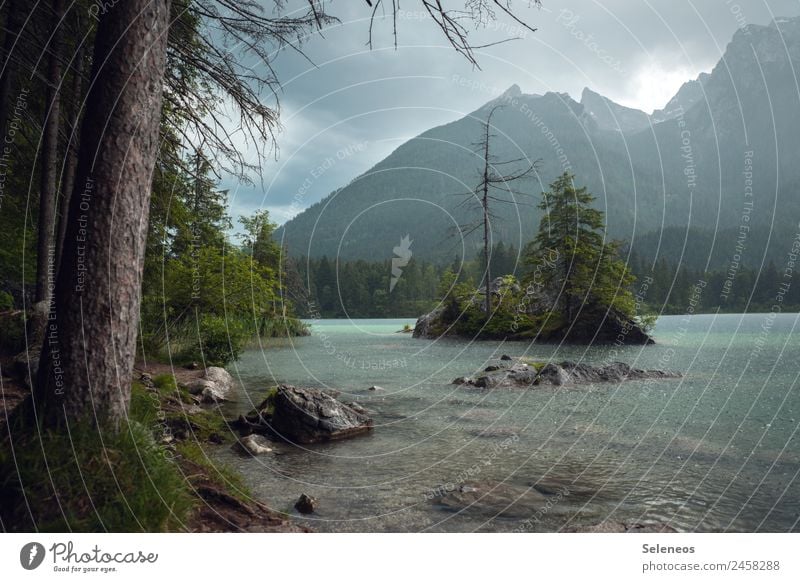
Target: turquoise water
pixel 714 451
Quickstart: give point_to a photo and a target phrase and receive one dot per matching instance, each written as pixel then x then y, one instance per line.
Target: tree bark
pixel 12 25
pixel 68 183
pixel 90 344
pixel 45 256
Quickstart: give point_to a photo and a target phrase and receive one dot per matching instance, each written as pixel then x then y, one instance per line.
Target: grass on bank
pixel 116 481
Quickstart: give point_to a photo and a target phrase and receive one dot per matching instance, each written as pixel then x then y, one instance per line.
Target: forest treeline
pixel 362 288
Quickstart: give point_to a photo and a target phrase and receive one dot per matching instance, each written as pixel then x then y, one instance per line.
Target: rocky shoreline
pixel 305 416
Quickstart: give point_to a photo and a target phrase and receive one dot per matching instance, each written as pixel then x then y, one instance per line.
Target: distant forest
pixel 361 289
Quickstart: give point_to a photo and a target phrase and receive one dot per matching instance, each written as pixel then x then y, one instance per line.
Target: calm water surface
pixel 714 451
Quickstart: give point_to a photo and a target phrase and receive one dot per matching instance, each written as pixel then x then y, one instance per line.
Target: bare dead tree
pixel 455 24
pixel 490 190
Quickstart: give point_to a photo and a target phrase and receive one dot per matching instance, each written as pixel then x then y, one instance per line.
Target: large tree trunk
pixel 45 257
pixel 89 348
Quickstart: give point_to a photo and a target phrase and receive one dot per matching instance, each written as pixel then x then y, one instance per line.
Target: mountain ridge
pixel 637 165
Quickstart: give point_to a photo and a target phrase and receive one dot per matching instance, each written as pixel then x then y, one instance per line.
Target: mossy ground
pixel 89 480
pixel 152 475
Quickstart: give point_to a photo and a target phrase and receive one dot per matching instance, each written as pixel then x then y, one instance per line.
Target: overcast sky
pixel 353 106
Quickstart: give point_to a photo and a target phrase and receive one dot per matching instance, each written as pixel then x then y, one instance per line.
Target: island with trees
pixel 575 289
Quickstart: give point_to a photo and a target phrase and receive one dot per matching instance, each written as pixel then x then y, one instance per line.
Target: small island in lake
pixel 576 289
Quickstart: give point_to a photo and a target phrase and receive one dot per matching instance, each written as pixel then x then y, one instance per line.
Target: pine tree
pixel 571 259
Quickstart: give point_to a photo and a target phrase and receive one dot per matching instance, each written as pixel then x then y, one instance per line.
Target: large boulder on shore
pixel 215 385
pixel 306 415
pixel 425 324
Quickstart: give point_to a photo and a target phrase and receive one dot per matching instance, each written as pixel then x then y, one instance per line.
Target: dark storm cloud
pixel 354 105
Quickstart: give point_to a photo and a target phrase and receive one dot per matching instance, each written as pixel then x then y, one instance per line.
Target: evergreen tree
pixel 572 259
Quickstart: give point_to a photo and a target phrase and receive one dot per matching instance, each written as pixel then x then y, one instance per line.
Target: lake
pixel 716 450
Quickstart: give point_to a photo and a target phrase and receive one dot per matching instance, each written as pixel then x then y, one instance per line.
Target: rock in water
pixel 307 415
pixel 620 527
pixel 255 444
pixel 553 374
pixel 423 327
pixel 521 375
pixel 305 504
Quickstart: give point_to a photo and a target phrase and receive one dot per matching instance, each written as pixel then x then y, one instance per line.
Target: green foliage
pixel 257 240
pixel 144 406
pixel 6 301
pixel 217 343
pixel 667 288
pixel 75 481
pixel 570 259
pixel 166 384
pixel 362 288
pixel 149 408
pixel 202 294
pixel 464 314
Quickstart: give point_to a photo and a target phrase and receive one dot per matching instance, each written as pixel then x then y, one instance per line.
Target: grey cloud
pixel 632 52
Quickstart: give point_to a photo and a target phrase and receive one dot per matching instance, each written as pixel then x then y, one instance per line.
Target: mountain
pixel 690 93
pixel 718 159
pixel 612 116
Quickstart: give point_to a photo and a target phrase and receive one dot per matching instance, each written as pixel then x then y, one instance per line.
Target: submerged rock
pixel 255 445
pixel 620 527
pixel 499 499
pixel 521 375
pixel 306 415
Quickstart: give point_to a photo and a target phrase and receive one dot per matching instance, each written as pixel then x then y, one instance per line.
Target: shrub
pixel 217 341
